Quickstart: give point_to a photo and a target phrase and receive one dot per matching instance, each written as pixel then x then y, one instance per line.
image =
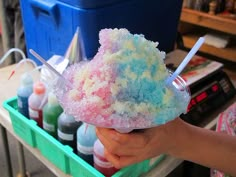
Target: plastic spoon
pixel 186 60
pixel 49 66
pixel 45 62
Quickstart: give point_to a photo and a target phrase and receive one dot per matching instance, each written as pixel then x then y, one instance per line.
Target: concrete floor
pixel 33 165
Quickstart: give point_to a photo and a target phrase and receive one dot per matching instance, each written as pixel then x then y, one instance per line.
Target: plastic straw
pixel 9 52
pixel 186 60
pixel 18 64
pixel 24 60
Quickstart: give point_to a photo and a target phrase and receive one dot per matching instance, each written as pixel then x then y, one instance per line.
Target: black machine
pixel 207 95
pixel 209 85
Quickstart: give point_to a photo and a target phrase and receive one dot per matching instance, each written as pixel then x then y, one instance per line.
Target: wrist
pixel 175 137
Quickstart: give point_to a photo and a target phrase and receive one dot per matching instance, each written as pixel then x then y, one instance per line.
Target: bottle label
pixel 23 107
pixel 33 113
pixel 20 103
pixel 84 149
pixel 101 163
pixel 48 127
pixel 65 136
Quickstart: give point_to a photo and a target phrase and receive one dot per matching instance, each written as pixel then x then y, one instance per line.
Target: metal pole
pixel 6 151
pixel 21 160
pixel 5 31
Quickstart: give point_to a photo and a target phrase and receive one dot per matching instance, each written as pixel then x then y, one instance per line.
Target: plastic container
pixel 60 155
pixel 91 4
pixel 53 150
pixel 51 113
pixel 100 161
pixel 36 103
pixel 86 137
pixel 49 25
pixel 23 92
pixel 66 131
pixel 22 126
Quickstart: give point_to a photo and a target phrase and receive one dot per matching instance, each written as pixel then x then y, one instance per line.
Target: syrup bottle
pixel 23 92
pixel 66 130
pixel 100 161
pixel 36 102
pixel 86 137
pixel 51 112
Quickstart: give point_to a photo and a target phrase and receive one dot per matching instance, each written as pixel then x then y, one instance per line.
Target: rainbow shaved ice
pixel 123 86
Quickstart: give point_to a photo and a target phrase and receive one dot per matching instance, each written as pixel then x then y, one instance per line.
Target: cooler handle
pixel 45 7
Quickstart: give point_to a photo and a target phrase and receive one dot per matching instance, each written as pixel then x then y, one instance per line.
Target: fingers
pixel 114 146
pixel 122 161
pixel 131 140
pixel 126 149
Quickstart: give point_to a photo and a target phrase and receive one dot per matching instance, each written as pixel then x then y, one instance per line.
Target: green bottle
pixel 51 112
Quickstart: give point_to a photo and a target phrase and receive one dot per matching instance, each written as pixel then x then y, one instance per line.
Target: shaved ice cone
pixel 123 86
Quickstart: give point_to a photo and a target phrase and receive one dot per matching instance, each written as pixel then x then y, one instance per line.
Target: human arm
pixel 176 138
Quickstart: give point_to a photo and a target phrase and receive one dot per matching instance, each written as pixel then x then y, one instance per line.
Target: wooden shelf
pixel 210 21
pixel 228 53
pixel 192 20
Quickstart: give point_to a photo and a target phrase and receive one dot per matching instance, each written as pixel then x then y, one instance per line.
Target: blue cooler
pixel 50 24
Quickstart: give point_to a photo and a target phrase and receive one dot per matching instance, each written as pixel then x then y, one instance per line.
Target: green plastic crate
pixel 61 155
pixel 79 168
pixel 53 150
pixel 130 171
pixel 31 133
pixel 22 126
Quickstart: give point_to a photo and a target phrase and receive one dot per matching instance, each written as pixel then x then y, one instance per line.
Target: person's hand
pixel 126 149
pixel 176 138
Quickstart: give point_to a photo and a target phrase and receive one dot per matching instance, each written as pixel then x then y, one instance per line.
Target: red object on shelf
pixel 0 29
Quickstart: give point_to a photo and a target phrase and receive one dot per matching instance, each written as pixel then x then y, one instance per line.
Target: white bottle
pixel 86 137
pixel 36 102
pixel 100 161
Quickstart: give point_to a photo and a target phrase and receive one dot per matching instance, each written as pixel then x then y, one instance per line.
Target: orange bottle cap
pixel 39 88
